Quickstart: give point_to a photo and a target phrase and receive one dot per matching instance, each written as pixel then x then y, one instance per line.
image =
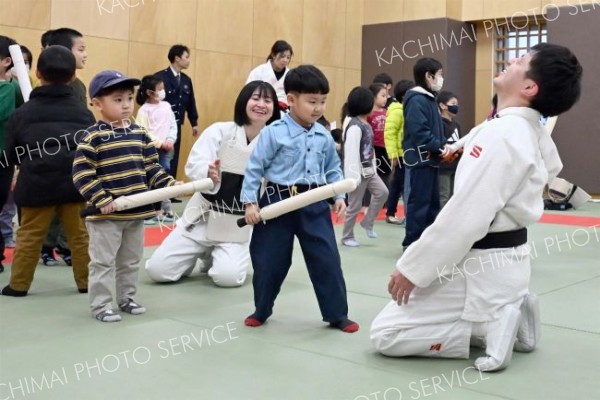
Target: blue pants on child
pixel 423 202
pixel 271 250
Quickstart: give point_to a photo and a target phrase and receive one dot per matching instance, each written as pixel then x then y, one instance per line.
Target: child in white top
pixel 158 118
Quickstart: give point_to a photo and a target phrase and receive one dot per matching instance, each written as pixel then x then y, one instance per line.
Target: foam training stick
pixel 155 196
pixel 21 70
pixel 303 199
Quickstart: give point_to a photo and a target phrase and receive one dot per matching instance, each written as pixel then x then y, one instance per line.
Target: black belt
pixel 291 190
pixel 502 240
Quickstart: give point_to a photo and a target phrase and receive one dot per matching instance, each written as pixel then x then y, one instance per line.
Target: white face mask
pixel 437 85
pixel 161 94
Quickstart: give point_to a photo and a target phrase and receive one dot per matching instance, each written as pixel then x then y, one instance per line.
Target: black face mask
pixel 453 109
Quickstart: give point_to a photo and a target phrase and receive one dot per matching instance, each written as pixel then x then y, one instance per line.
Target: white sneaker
pixel 500 339
pixel 530 328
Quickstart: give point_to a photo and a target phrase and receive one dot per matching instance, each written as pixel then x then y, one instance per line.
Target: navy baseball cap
pixel 108 78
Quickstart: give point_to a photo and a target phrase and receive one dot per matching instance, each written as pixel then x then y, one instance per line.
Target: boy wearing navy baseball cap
pixel 115 158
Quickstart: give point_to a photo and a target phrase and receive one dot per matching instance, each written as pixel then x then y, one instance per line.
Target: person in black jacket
pixel 41 138
pixel 180 94
pixel 423 144
pixel 448 104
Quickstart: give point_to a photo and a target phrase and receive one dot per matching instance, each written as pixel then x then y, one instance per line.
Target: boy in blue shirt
pixel 294 155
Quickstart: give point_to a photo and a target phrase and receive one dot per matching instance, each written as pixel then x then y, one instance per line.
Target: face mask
pixel 453 109
pixel 437 85
pixel 161 94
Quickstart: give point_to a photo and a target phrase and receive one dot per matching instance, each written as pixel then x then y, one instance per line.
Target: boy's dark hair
pixel 177 51
pixel 360 101
pixel 240 117
pixel 63 37
pixel 5 42
pixel 444 96
pixel 56 64
pixel 557 73
pixel 46 36
pixel 280 46
pixel 306 79
pixel 149 82
pixel 124 86
pixel 375 88
pixel 422 67
pixel 401 88
pixel 383 78
pixel 27 52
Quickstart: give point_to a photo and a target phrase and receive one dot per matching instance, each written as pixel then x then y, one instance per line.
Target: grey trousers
pixel 116 250
pixel 446 186
pixel 379 194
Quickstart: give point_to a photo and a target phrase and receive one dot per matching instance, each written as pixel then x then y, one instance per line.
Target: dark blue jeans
pixel 423 202
pixel 271 250
pixel 396 188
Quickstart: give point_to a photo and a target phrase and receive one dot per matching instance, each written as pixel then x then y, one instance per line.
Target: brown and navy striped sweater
pixel 112 162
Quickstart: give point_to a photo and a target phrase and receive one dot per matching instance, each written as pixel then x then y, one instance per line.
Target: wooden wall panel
pixel 225 26
pixel 92 18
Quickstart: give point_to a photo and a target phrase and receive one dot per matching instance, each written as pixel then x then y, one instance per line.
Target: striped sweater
pixel 112 162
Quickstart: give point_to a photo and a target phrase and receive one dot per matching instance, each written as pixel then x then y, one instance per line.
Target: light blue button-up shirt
pixel 289 154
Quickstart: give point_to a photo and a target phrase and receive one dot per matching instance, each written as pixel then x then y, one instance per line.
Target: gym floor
pixel 192 342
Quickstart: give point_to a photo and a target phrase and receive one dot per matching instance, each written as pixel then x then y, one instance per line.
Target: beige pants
pixel 35 222
pixel 116 250
pixel 379 194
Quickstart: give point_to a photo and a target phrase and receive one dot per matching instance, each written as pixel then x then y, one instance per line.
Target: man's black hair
pixel 422 67
pixel 56 64
pixel 401 88
pixel 177 51
pixel 306 79
pixel 240 116
pixel 46 36
pixel 63 37
pixel 557 73
pixel 360 101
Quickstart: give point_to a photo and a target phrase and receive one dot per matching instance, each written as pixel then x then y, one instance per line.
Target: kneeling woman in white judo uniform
pixel 207 228
pixel 474 287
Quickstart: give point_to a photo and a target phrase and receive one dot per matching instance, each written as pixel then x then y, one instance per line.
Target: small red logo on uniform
pixel 436 347
pixel 476 152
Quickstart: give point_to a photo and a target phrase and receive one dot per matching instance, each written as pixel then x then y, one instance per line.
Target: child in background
pixel 377 121
pixel 44 189
pixel 157 117
pixel 295 154
pixel 115 158
pixel 448 104
pixel 360 164
pixel 10 99
pixel 393 135
pixel 74 41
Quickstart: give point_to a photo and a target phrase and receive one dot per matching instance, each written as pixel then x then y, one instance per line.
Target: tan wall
pixel 229 37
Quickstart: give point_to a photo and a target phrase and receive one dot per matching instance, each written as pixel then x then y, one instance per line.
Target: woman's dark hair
pixel 344 112
pixel 422 67
pixel 177 51
pixel 401 88
pixel 56 64
pixel 445 96
pixel 149 82
pixel 557 73
pixel 280 46
pixel 240 117
pixel 360 101
pixel 375 88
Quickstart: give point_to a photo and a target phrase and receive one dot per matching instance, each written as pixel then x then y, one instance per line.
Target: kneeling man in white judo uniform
pixel 465 281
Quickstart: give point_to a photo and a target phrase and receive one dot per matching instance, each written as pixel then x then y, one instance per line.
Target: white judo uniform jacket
pixel 264 72
pixel 205 151
pixel 506 163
